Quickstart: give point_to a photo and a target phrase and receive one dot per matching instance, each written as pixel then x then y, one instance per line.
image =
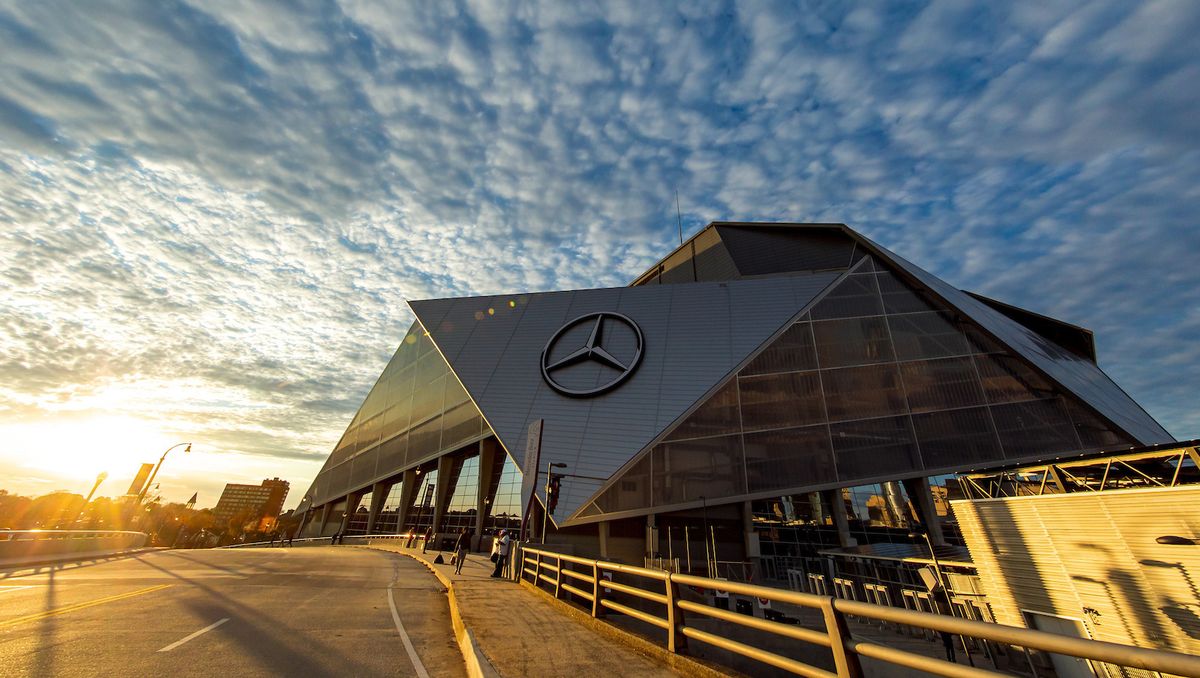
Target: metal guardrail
pixel 19 547
pixel 591 585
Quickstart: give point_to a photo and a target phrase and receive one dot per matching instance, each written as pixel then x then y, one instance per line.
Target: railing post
pixel 537 570
pixel 835 625
pixel 597 591
pixel 558 576
pixel 676 641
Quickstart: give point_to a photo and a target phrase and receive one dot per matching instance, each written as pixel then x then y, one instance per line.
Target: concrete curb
pixel 690 665
pixel 477 663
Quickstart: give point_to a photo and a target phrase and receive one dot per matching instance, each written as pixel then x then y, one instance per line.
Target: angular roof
pixel 694 335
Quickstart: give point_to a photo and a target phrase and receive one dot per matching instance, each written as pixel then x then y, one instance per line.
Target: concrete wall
pixel 17 548
pixel 1093 557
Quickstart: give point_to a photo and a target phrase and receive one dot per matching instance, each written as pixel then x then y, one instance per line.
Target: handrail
pixel 14 535
pixel 846 650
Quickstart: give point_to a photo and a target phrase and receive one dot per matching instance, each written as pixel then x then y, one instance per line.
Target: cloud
pixel 241 197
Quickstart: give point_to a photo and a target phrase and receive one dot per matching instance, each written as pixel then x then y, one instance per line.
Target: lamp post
pixel 546 508
pixel 99 479
pixel 157 466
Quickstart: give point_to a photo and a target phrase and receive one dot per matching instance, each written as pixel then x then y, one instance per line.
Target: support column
pixel 837 507
pixel 922 498
pixel 604 540
pixel 325 515
pixel 378 497
pixel 352 500
pixel 818 511
pixel 651 536
pixel 407 493
pixel 751 540
pixel 441 494
pixel 490 456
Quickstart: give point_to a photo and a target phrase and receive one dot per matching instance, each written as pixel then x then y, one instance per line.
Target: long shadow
pixel 47 628
pixel 40 568
pixel 260 642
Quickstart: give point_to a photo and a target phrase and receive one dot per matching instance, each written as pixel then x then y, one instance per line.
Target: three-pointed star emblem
pixel 593 350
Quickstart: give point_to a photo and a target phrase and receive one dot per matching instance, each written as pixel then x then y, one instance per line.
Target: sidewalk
pixel 525 633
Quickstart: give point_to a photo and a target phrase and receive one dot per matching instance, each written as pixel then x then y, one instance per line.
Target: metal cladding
pixel 694 336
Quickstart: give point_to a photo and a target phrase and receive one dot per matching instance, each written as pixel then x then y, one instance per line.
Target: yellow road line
pixel 80 606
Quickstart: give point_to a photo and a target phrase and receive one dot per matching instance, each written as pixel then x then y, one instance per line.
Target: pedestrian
pixel 460 550
pixel 428 538
pixel 333 539
pixel 502 545
pixel 292 535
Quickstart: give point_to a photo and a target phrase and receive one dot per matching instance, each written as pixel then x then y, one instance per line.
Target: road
pixel 312 611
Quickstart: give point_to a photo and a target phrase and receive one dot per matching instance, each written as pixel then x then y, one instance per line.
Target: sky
pixel 212 213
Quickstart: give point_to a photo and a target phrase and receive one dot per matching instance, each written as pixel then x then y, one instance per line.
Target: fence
pixel 585 578
pixel 19 547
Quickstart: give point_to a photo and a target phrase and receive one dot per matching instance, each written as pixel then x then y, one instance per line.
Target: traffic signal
pixel 552 490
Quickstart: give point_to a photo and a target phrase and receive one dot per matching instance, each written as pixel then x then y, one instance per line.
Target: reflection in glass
pixel 461 508
pixel 688 470
pixel 1034 428
pixel 941 384
pixel 957 437
pixel 861 392
pixel 781 400
pixel 857 341
pixel 504 510
pixel 793 351
pixel 874 447
pixel 788 458
pixel 420 514
pixel 716 416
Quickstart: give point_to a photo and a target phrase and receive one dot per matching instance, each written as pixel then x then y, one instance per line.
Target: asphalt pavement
pixel 316 611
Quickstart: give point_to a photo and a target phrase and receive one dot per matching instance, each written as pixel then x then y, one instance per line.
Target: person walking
pixel 428 538
pixel 503 543
pixel 460 550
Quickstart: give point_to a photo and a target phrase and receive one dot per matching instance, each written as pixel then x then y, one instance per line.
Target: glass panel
pixel 790 458
pixel 389 514
pixel 358 521
pixel 460 424
pixel 505 506
pixel 956 438
pixel 392 455
pixel 427 400
pixel 900 298
pixel 872 448
pixel 1093 432
pixel 855 296
pixel 941 384
pixel 927 335
pixel 1006 379
pixel 719 414
pixel 781 400
pixel 863 392
pixel 424 440
pixel 860 341
pixel 420 514
pixel 688 470
pixel 631 490
pixel 1034 428
pixel 461 509
pixel 793 351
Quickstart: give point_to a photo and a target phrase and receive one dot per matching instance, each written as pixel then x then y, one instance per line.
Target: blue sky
pixel 214 212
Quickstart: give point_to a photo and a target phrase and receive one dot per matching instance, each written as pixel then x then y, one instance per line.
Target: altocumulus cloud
pixel 240 196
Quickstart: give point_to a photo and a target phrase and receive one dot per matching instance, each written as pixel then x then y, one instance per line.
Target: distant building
pixel 263 502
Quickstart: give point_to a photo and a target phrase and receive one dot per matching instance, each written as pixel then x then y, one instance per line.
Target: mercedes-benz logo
pixel 593 350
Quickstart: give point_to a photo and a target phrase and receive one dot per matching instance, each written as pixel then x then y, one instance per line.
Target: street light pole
pixel 546 505
pixel 99 479
pixel 157 466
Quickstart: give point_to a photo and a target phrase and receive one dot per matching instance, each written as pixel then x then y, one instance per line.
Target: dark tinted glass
pixel 858 341
pixel 719 414
pixel 793 351
pixel 872 448
pixel 957 437
pixel 688 470
pixel 788 458
pixel 1006 379
pixel 926 335
pixel 900 298
pixel 862 392
pixel 941 384
pixel 631 491
pixel 857 295
pixel 1092 431
pixel 1034 428
pixel 781 400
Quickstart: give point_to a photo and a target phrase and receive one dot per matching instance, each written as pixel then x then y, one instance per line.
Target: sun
pixel 76 449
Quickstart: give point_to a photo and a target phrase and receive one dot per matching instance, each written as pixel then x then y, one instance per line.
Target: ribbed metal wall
pixel 1093 557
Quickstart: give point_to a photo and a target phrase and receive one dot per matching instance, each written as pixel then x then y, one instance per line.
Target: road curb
pixel 477 663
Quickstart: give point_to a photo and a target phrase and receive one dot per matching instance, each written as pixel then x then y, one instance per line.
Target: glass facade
pixel 461 509
pixel 358 521
pixel 504 491
pixel 389 513
pixel 877 380
pixel 420 514
pixel 416 411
